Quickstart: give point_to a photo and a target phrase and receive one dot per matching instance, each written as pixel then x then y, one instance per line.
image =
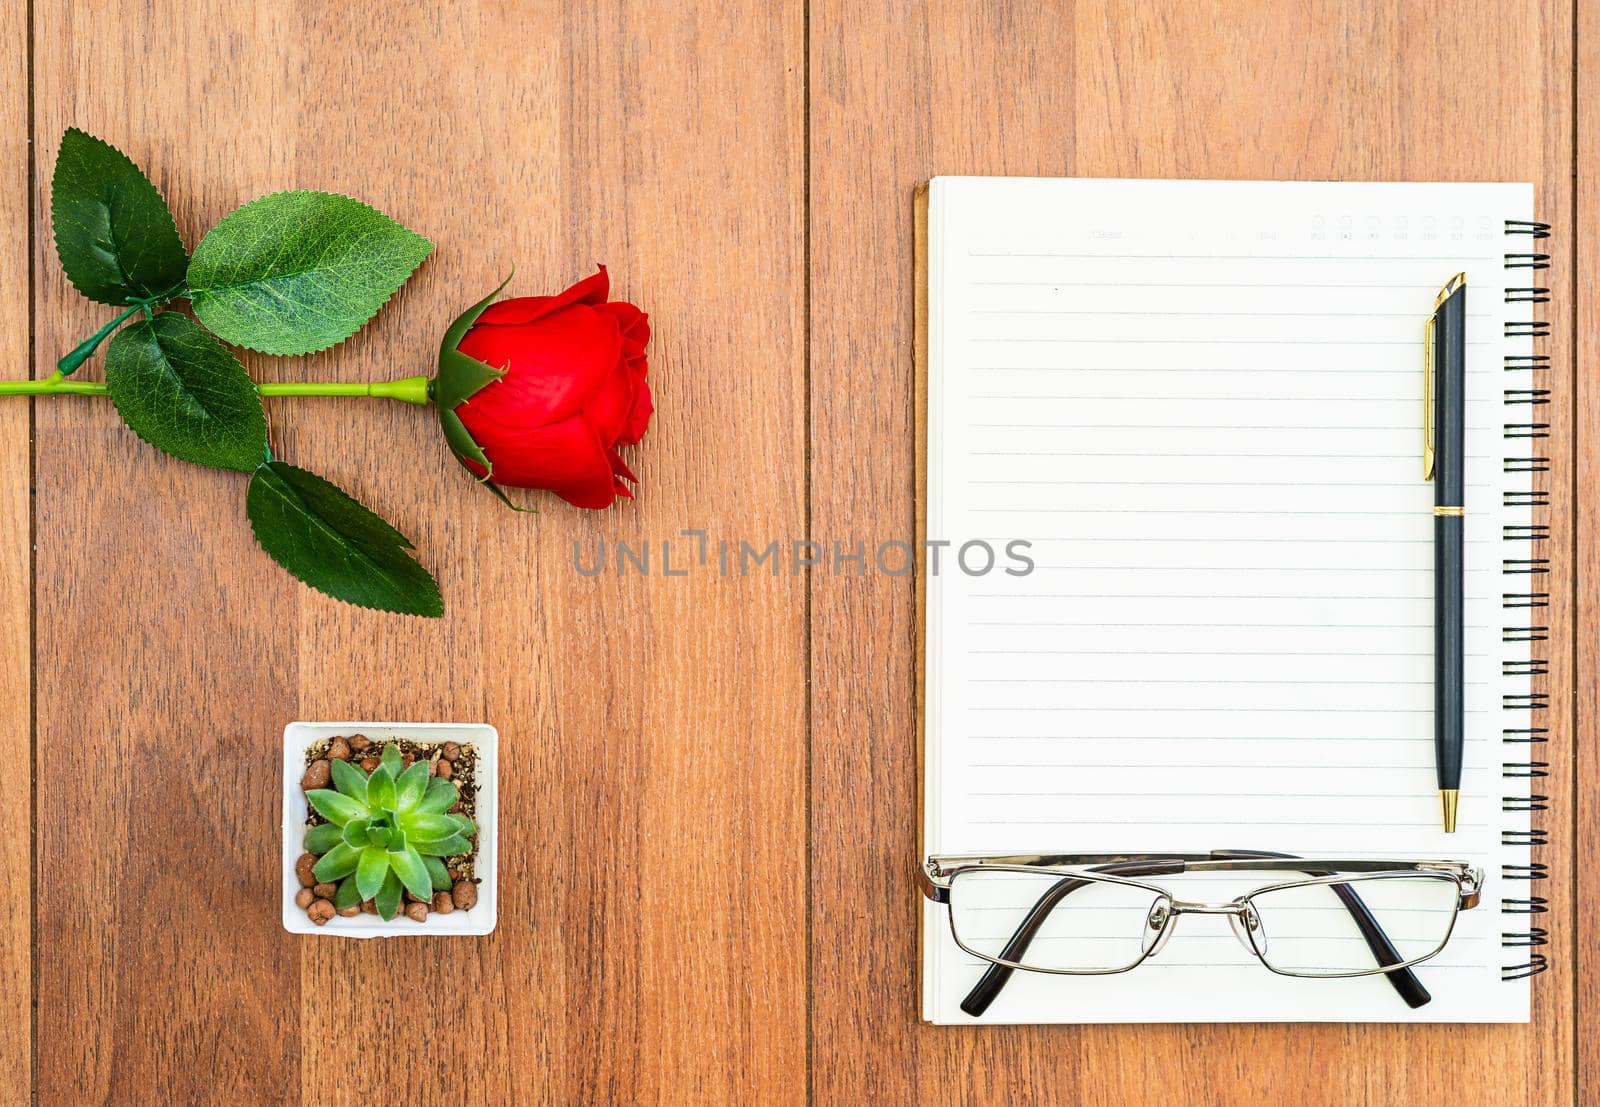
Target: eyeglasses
pixel 1014 912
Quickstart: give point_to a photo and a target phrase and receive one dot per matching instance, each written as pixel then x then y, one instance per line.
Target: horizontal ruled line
pixel 1213 652
pixel 1324 342
pixel 1242 626
pixel 1367 259
pixel 1229 794
pixel 1233 820
pixel 1194 738
pixel 1420 316
pixel 1035 282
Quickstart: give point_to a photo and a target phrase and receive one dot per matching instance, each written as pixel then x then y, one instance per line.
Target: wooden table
pixel 707 813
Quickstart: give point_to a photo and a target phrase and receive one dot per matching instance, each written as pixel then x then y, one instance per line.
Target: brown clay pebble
pixel 318 773
pixel 368 764
pixel 359 743
pixel 406 759
pixel 442 769
pixel 417 912
pixel 303 867
pixel 339 749
pixel 413 899
pixel 465 895
pixel 303 898
pixel 325 891
pixel 368 907
pixel 442 903
pixel 352 910
pixel 320 911
pixel 450 751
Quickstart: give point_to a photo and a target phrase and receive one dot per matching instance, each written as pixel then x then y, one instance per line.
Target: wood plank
pixel 652 729
pixel 904 91
pixel 16 706
pixel 166 640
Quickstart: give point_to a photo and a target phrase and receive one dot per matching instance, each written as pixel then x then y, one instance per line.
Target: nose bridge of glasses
pixel 1242 920
pixel 1193 907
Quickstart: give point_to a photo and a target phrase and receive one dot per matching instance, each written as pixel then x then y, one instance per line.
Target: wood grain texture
pixel 652 729
pixel 901 92
pixel 1584 948
pixel 16 709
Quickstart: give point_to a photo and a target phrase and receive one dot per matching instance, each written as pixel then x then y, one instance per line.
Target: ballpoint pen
pixel 1444 463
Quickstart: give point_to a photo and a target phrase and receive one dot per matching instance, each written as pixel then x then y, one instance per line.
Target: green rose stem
pixel 411 390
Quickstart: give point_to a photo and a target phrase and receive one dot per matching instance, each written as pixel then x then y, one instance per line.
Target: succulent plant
pixel 386 832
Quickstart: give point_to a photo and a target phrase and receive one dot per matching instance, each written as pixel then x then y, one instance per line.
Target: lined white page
pixel 1201 402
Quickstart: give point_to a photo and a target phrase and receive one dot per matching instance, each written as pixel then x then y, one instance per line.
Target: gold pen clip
pixel 1427 398
pixel 1429 455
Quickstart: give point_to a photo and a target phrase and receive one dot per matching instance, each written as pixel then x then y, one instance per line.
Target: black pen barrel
pixel 1450 386
pixel 1448 707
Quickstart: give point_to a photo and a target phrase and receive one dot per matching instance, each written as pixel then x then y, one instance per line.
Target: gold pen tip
pixel 1449 801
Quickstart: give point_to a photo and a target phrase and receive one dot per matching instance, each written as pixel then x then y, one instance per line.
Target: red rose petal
pixel 618 466
pixel 552 366
pixel 525 309
pixel 634 324
pixel 609 405
pixel 639 417
pixel 566 458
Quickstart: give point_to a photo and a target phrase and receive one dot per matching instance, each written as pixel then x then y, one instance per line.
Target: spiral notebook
pixel 1200 402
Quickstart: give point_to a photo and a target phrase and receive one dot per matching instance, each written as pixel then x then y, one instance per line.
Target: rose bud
pixel 539 391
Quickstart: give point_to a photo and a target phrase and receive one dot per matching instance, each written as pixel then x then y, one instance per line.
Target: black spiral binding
pixel 1525 575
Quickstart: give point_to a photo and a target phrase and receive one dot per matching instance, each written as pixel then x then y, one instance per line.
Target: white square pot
pixel 481 919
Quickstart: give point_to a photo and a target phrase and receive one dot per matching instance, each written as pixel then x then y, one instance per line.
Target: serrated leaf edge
pixel 349 603
pixel 295 352
pixel 55 213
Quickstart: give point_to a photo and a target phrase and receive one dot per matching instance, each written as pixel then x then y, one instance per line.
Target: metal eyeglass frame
pixel 1077 870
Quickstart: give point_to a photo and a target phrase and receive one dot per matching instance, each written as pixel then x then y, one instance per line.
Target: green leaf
pixel 335 807
pixel 348 894
pixel 297 272
pixel 349 780
pixel 380 789
pixel 429 828
pixel 322 837
pixel 437 873
pixel 182 392
pixel 465 826
pixel 392 759
pixel 412 872
pixel 114 235
pixel 379 836
pixel 331 542
pixel 411 787
pixel 355 832
pixel 371 868
pixel 441 797
pixel 340 861
pixel 442 847
pixel 388 897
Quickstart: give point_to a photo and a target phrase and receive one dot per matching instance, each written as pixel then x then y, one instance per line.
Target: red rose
pixel 570 390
